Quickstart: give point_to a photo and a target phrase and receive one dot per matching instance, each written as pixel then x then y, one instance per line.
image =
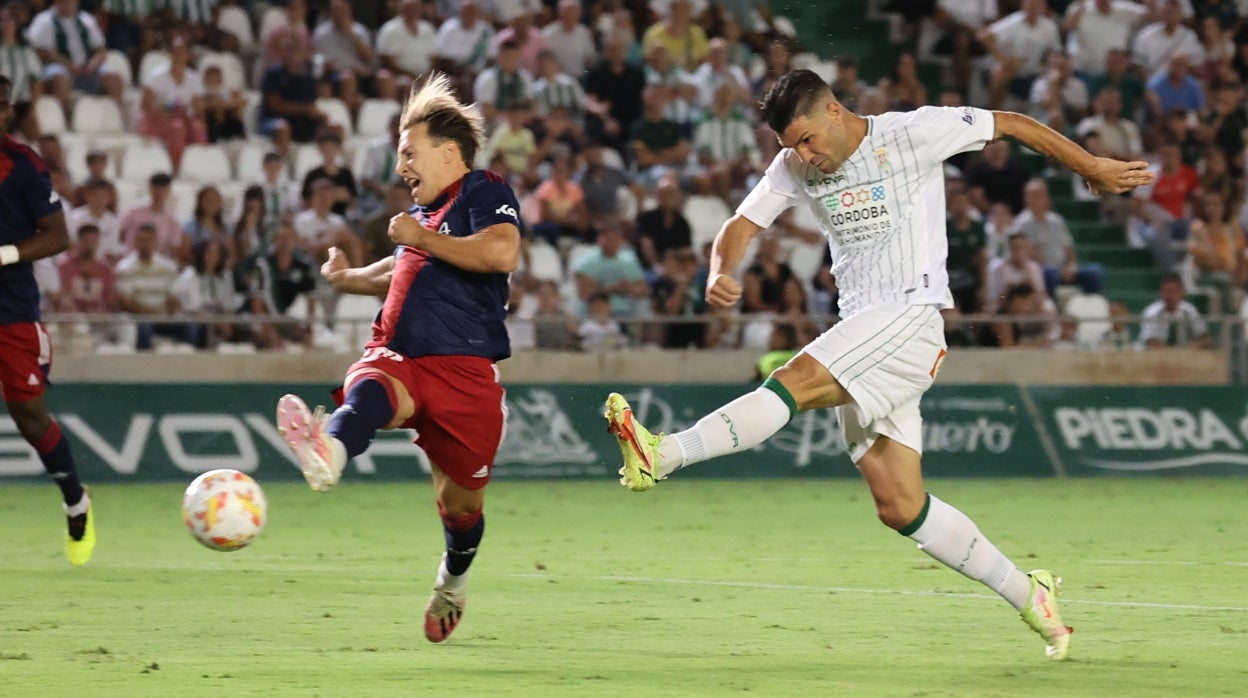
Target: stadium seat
pixel 50 115
pixel 353 308
pixel 151 62
pixel 705 215
pixel 205 164
pixel 97 116
pixel 251 111
pixel 544 262
pixel 374 119
pixel 612 158
pixel 233 75
pixel 627 202
pixel 307 158
pixel 234 20
pixel 804 259
pixel 130 194
pixel 142 160
pixel 118 64
pixel 1092 312
pixel 272 18
pixel 577 254
pixel 337 114
pixel 250 162
pixel 182 199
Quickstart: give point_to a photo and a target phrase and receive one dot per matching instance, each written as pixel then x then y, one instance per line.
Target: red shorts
pixel 460 414
pixel 25 359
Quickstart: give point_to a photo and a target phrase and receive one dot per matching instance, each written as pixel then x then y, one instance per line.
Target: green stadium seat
pixel 1096 233
pixel 1116 256
pixel 1076 210
pixel 1141 280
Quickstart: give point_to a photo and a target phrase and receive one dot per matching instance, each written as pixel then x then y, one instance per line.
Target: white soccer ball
pixel 224 509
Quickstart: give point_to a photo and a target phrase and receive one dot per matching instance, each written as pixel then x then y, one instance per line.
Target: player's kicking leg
pixel 738 426
pixel 893 473
pixel 322 446
pixel 44 434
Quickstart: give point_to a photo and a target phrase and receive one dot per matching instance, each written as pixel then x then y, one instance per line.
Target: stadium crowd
pixel 210 153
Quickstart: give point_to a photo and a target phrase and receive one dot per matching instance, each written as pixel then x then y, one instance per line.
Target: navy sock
pixel 366 409
pixel 53 450
pixel 463 535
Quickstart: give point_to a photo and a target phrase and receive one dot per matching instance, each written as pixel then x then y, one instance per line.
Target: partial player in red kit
pixel 430 365
pixel 32 226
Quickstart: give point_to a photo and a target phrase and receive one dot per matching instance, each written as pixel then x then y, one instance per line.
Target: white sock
pixel 80 508
pixel 738 426
pixel 338 451
pixel 446 580
pixel 951 537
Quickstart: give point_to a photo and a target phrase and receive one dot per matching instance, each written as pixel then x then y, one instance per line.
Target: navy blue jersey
pixel 26 195
pixel 437 309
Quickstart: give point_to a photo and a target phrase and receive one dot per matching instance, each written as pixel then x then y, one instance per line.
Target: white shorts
pixel 885 357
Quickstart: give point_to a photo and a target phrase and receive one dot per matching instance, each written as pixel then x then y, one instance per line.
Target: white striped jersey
pixel 883 210
pixel 193 11
pixel 560 91
pixel 22 66
pixel 726 139
pixel 680 110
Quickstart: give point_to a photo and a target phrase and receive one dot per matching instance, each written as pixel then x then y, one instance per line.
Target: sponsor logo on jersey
pixel 53 197
pixel 825 181
pixel 968 116
pixel 507 210
pixel 483 472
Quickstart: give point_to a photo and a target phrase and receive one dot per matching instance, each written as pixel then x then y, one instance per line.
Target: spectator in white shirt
pixel 715 72
pixel 1157 42
pixel 405 44
pixel 1058 98
pixel 95 212
pixel 72 48
pixel 570 41
pixel 463 41
pixel 1018 43
pixel 1120 137
pixel 1172 322
pixel 1016 268
pixel 1094 27
pixel 172 109
pixel 319 228
pixel 145 288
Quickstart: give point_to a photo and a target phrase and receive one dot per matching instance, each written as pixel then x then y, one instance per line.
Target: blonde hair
pixel 434 104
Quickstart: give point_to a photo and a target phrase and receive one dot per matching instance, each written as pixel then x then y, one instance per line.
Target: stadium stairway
pixel 830 29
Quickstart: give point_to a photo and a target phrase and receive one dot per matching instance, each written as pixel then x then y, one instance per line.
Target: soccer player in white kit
pixel 876 185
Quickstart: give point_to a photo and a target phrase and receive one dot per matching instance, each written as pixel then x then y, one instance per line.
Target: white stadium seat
pixel 142 160
pixel 234 20
pixel 336 113
pixel 97 116
pixel 375 116
pixel 50 115
pixel 206 164
pixel 544 262
pixel 151 62
pixel 233 75
pixel 307 158
pixel 250 164
pixel 182 199
pixel 117 63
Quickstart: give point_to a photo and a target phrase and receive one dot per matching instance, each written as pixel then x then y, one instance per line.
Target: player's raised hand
pixel 1116 176
pixel 722 291
pixel 334 267
pixel 406 230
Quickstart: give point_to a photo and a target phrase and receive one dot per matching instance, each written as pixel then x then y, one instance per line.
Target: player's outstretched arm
pixel 372 280
pixel 722 290
pixel 52 239
pixel 1103 175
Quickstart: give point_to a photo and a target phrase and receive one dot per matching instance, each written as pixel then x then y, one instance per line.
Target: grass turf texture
pixel 775 588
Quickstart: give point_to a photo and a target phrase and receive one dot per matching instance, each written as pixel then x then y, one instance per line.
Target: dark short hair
pixel 87 228
pixel 1171 278
pixel 160 179
pixel 794 94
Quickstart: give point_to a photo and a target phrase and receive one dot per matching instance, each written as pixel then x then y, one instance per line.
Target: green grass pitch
pixel 698 588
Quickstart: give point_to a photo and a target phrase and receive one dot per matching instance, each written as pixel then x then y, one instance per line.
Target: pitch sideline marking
pixel 851 590
pixel 1182 563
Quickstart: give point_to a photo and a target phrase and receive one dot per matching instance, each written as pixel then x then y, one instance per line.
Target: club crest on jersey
pixel 881 157
pixel 444 229
pixel 507 210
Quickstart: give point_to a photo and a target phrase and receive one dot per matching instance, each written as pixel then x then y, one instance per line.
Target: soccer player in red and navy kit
pixel 32 226
pixel 431 363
